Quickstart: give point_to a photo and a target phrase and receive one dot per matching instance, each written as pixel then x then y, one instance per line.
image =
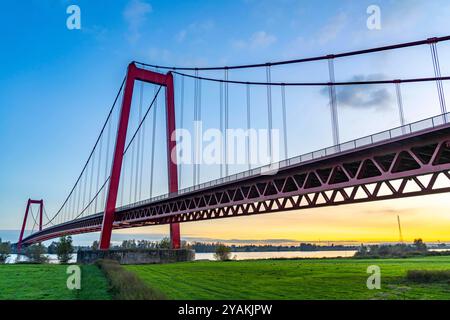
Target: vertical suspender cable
pixel 180 166
pixel 32 218
pixel 91 181
pixel 400 104
pixel 133 149
pixel 199 121
pixel 226 124
pixel 78 197
pixel 98 171
pixel 138 155
pixel 72 205
pixel 221 128
pixel 79 194
pixel 283 107
pixel 108 141
pixel 122 181
pixel 64 213
pixel 194 144
pixel 85 187
pixel 74 210
pixel 333 103
pixel 68 211
pixel 152 166
pixel 269 109
pixel 248 127
pixel 142 147
pixel 437 73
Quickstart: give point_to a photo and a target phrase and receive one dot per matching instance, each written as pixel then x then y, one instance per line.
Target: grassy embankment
pixel 126 285
pixel 295 279
pixel 48 282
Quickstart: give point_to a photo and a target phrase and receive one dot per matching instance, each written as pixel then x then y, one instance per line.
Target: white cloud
pixel 334 27
pixel 135 15
pixel 157 55
pixel 258 40
pixel 302 45
pixel 181 35
pixel 195 29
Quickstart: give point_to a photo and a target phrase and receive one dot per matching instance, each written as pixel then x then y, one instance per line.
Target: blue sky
pixel 56 85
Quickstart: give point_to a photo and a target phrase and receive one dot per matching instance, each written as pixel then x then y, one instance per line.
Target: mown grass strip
pixel 125 285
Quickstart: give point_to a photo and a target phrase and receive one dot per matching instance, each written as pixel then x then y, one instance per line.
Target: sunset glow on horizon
pixel 421 217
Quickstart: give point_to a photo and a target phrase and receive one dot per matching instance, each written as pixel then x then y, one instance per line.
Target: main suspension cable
pixel 316 84
pixel 310 59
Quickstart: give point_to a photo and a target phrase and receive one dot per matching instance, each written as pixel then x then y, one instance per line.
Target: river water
pixel 243 255
pixel 280 254
pixel 236 255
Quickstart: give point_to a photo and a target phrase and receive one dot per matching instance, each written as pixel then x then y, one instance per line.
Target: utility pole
pixel 400 229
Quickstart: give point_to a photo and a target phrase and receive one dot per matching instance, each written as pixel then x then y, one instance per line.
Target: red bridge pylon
pixel 166 80
pixel 41 209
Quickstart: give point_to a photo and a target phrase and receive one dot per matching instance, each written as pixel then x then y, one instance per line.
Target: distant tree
pixel 95 245
pixel 420 245
pixel 164 243
pixel 223 252
pixel 5 250
pixel 145 244
pixel 128 244
pixel 64 249
pixel 35 253
pixel 185 245
pixel 362 250
pixel 51 249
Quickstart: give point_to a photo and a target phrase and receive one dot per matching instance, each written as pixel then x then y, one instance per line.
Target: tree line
pixel 36 253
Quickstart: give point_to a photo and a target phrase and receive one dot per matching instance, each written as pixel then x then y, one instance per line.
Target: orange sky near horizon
pixel 425 217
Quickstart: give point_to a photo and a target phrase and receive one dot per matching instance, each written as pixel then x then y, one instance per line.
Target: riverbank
pixel 52 258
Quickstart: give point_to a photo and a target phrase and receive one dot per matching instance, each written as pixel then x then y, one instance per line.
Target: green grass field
pixel 257 279
pixel 48 282
pixel 293 279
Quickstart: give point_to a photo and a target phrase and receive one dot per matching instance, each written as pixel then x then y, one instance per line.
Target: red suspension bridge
pixel 111 191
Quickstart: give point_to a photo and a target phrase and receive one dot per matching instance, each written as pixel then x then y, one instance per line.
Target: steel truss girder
pixel 400 171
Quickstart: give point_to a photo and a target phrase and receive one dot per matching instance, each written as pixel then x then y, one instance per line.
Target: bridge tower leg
pixel 175 240
pixel 116 168
pixel 41 209
pixel 19 244
pixel 135 73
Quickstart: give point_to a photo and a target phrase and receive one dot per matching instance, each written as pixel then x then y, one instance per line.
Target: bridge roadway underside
pixel 411 165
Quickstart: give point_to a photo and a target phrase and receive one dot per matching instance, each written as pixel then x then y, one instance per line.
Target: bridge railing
pixel 386 135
